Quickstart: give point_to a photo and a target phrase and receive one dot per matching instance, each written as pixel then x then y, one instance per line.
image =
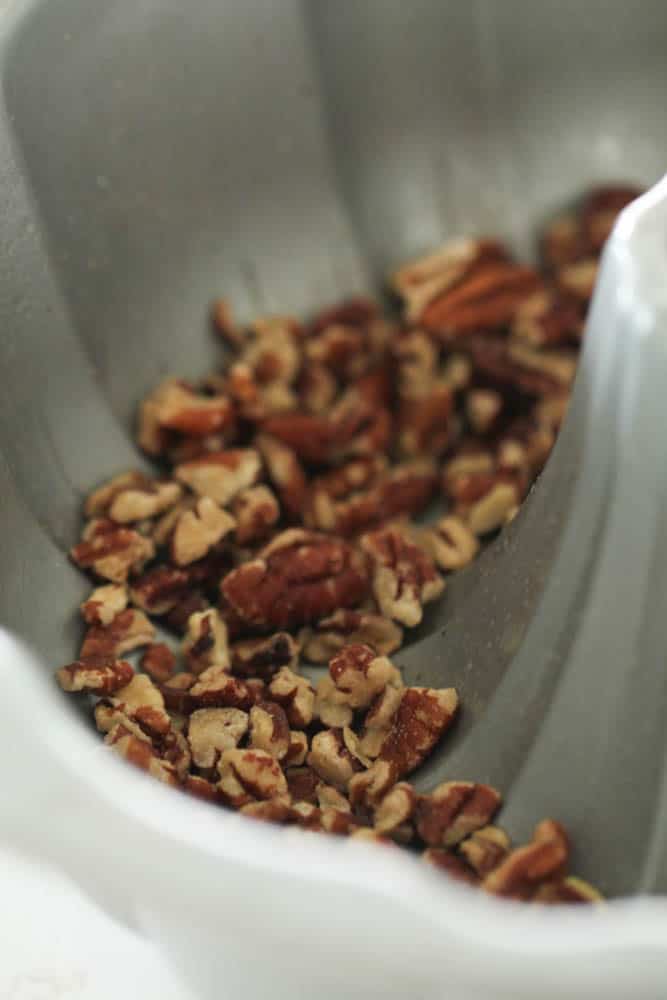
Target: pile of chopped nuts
pixel 281 532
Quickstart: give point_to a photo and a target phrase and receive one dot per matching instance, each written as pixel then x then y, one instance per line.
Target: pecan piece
pixel 424 420
pixel 285 472
pixel 522 872
pixel 297 750
pixel 495 508
pixel 111 552
pixel 548 319
pixel 485 849
pixel 101 675
pixel 451 543
pixel 360 675
pixel 395 810
pixel 221 474
pixel 345 627
pixel 316 387
pixel 271 349
pixel 269 729
pixel 215 688
pixel 158 662
pixel 264 657
pixel 132 496
pixel 128 630
pixel 173 406
pixel 600 210
pixel 205 644
pixel 483 409
pixel 256 511
pixel 453 811
pixel 331 759
pixel 296 695
pixel 404 577
pixel 298 578
pixel 331 706
pixel 197 531
pixel 379 719
pixel 211 731
pixel 160 589
pixel 250 775
pixel 562 242
pixel 578 279
pixel 104 604
pixel 141 753
pixel 567 890
pixel 302 784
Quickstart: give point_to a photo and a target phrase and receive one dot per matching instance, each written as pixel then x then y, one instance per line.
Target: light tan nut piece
pixel 102 675
pixel 159 590
pixel 286 475
pixel 264 657
pixel 296 695
pixel 331 705
pixel 200 788
pixel 205 644
pixel 395 809
pixel 211 731
pixel 404 577
pixel 451 543
pixel 346 627
pixel 132 496
pixel 567 890
pixel 198 530
pixel 172 406
pixel 522 872
pixel 359 675
pixel 424 420
pixel 257 512
pixel 111 552
pixel 493 509
pixel 250 775
pixel 453 811
pixel 331 759
pixel 222 474
pixel 129 630
pixel 269 729
pixel 379 719
pixel 158 662
pixel 485 849
pixel 141 753
pixel 139 692
pixel 215 688
pixel 104 604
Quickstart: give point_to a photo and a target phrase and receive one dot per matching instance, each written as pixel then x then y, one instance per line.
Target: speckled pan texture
pixel 286 155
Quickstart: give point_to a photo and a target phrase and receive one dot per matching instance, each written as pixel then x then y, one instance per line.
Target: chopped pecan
pixel 483 409
pixel 296 695
pixel 141 753
pixel 600 210
pixel 132 496
pixel 264 657
pixel 522 872
pixel 223 321
pixel 298 578
pixel 329 797
pixel 451 864
pixel 367 788
pixel 139 692
pixel 416 356
pixel 395 809
pixel 285 472
pixel 302 784
pixel 297 750
pixel 112 553
pixel 277 810
pixel 340 348
pixel 485 849
pixel 158 662
pixel 423 717
pixel 256 511
pixel 547 319
pixel 451 543
pixel 128 630
pixel 331 706
pixel 200 788
pixel 562 242
pixel 197 531
pixel 160 589
pixel 493 509
pixel 567 890
pixel 178 617
pixel 354 312
pixel 100 675
pixel 310 436
pixel 404 577
pixel 331 759
pixel 424 420
pixel 360 675
pixel 379 719
pixel 205 644
pixel 173 406
pixel 221 474
pixel 104 604
pixel 211 731
pixel 578 279
pixel 316 387
pixel 453 811
pixel 250 775
pixel 346 627
pixel 215 688
pixel 269 729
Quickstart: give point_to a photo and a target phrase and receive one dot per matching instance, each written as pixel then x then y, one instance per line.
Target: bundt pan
pixel 155 154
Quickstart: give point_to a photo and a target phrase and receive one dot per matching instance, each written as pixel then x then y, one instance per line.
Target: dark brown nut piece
pixel 103 675
pixel 211 731
pixel 483 409
pixel 451 864
pixel 177 618
pixel 526 868
pixel 344 628
pixel 567 890
pixel 404 577
pixel 132 496
pixel 423 717
pixel 360 675
pixel 205 644
pixel 271 350
pixel 160 589
pixel 215 688
pixel 562 242
pixel 578 280
pixel 221 474
pixel 128 630
pixel 302 784
pixel 285 472
pixel 112 552
pixel 331 706
pixel 316 387
pixel 493 510
pixel 250 775
pixel 548 319
pixel 141 753
pixel 379 719
pixel 453 811
pixel 511 365
pixel 601 209
pixel 485 849
pixel 422 281
pixel 200 788
pixel 197 531
pixel 264 657
pixel 424 420
pixel 329 797
pixel 331 759
pixel 172 406
pixel 296 695
pixel 451 543
pixel 104 604
pixel 298 578
pixel 277 810
pixel 269 729
pixel 158 662
pixel 395 809
pixel 297 751
pixel 256 511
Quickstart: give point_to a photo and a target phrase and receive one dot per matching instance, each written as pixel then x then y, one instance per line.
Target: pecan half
pixel 404 577
pixel 104 604
pixel 298 578
pixel 111 552
pixel 345 627
pixel 211 731
pixel 197 531
pixel 453 811
pixel 221 474
pixel 102 675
